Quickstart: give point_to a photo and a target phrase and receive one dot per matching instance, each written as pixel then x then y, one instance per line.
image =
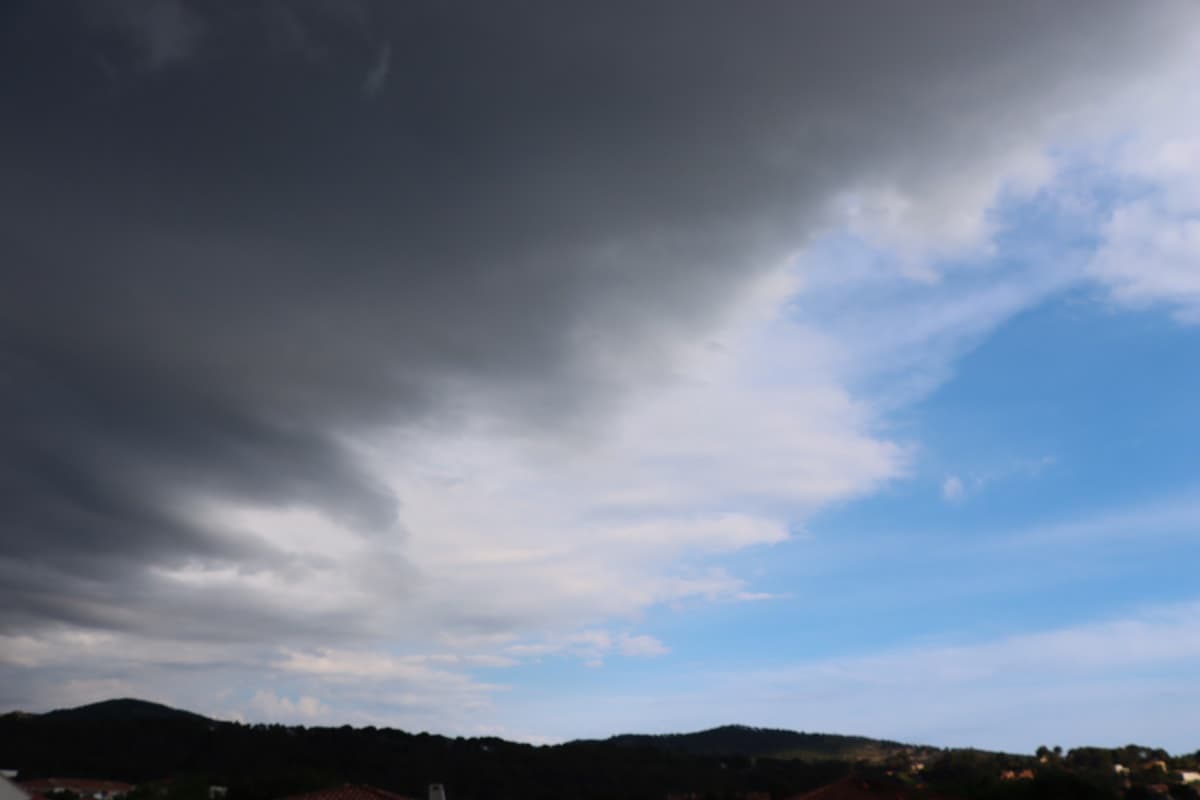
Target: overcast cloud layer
pixel 378 342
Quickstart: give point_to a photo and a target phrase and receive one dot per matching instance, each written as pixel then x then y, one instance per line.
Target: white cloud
pixel 359 665
pixel 642 646
pixel 716 533
pixel 926 223
pixel 591 646
pixel 64 646
pixel 953 489
pixel 1150 246
pixel 956 488
pixel 534 539
pixel 437 673
pixel 1151 255
pixel 754 597
pixel 727 455
pixel 409 689
pixel 269 706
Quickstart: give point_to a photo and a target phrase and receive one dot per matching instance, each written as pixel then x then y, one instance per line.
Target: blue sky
pixel 536 392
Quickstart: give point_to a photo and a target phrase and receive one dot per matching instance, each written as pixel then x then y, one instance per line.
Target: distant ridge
pixel 743 740
pixel 135 741
pixel 726 740
pixel 122 709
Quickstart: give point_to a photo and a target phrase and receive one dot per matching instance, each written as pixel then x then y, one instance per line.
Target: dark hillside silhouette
pixel 122 709
pixel 177 755
pixel 748 741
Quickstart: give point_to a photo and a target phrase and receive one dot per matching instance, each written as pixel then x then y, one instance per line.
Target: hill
pixel 767 742
pixel 175 755
pixel 123 709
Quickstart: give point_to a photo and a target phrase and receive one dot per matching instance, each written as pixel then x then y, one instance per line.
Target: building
pixel 92 788
pixel 10 790
pixel 1016 775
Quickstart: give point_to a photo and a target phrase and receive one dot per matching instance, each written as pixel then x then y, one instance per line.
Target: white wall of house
pixel 10 791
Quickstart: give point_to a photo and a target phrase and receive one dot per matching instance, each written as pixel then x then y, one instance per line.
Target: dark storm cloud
pixel 235 233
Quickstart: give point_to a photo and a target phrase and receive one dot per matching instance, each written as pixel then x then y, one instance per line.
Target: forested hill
pixel 177 755
pixel 746 741
pixel 122 709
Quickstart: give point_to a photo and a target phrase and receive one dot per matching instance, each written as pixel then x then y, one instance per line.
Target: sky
pixel 554 370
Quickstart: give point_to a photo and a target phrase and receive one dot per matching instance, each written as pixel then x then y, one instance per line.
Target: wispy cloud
pixel 953 490
pixel 267 705
pixel 164 32
pixel 1127 678
pixel 1171 516
pixel 1149 253
pixel 591 646
pixel 377 76
pixel 990 690
pixel 957 487
pixel 642 646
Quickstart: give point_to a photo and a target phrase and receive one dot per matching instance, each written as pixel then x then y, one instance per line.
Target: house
pixel 1187 777
pixel 350 791
pixel 10 790
pixel 92 788
pixel 1014 775
pixel 1120 769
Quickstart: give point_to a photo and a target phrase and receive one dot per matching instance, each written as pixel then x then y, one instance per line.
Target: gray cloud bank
pixel 220 259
